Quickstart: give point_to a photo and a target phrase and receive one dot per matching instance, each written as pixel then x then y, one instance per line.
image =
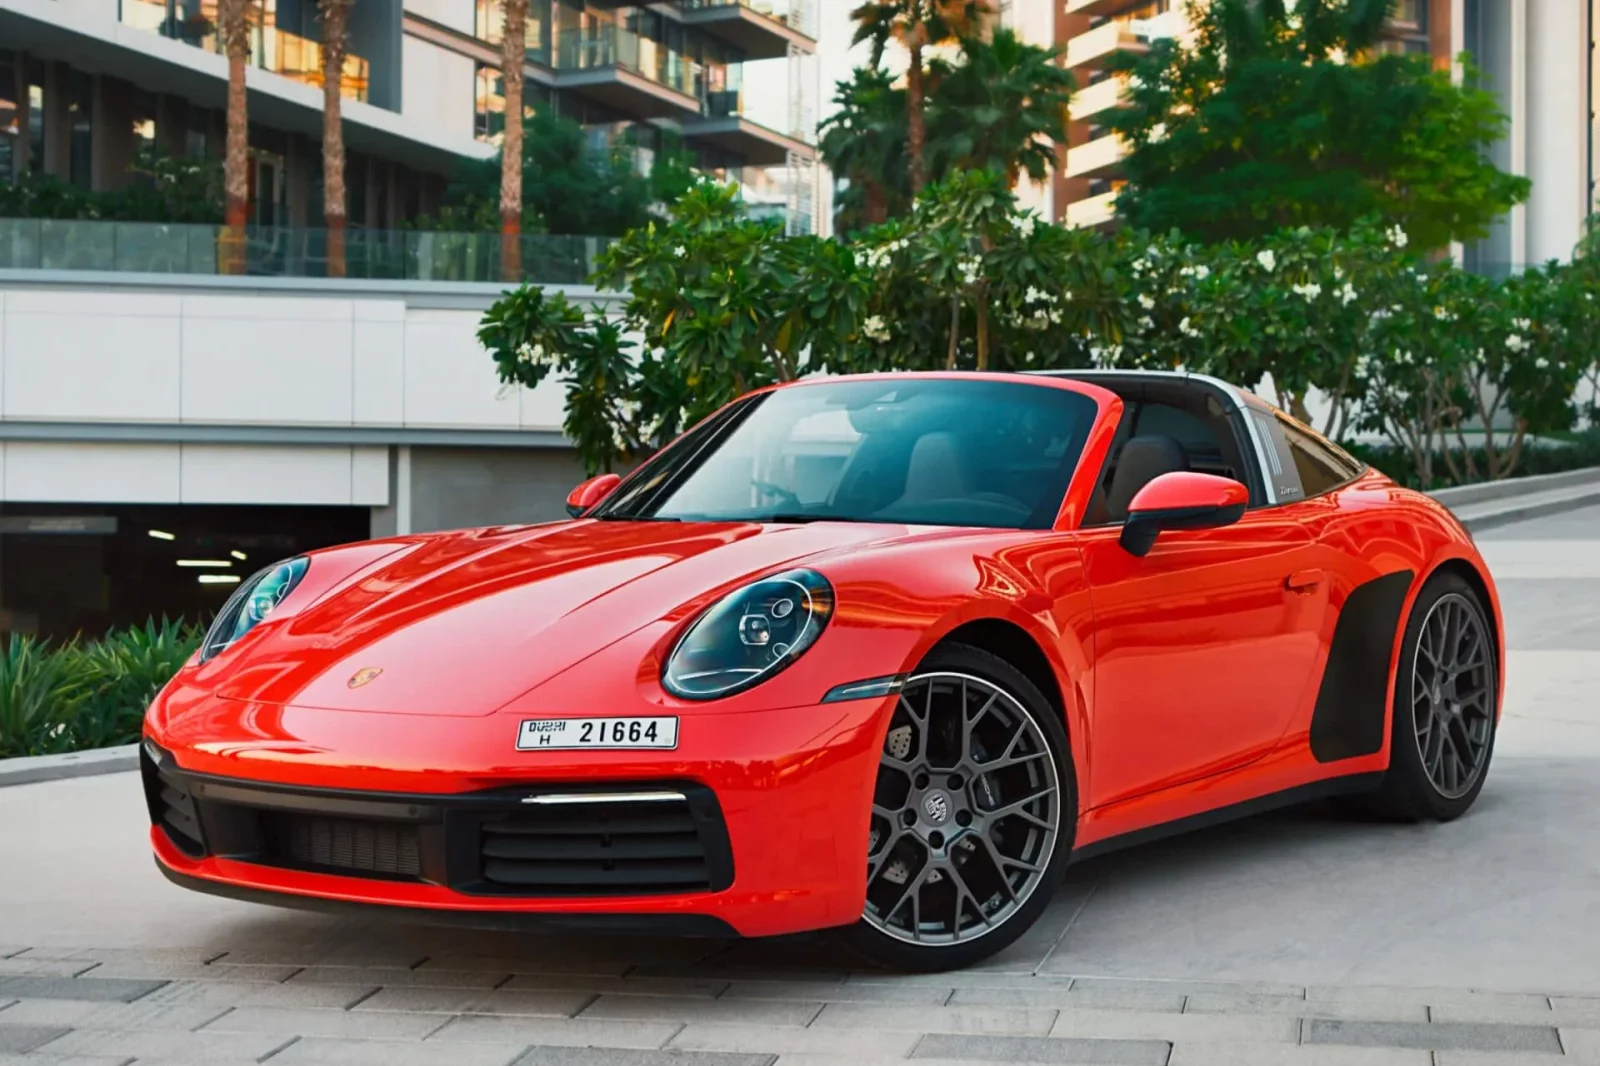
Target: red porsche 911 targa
pixel 883 653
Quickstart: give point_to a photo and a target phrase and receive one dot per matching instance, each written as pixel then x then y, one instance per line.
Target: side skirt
pixel 1334 786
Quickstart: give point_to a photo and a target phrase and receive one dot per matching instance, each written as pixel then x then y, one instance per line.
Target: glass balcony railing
pixel 279 51
pixel 375 255
pixel 614 46
pixel 796 14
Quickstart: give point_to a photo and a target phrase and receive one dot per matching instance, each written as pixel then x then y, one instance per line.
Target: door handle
pixel 1303 581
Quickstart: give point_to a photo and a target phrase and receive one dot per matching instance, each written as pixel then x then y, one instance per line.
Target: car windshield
pixel 921 451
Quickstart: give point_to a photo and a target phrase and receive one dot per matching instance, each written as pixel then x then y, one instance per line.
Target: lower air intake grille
pixel 355 846
pixel 606 849
pixel 177 816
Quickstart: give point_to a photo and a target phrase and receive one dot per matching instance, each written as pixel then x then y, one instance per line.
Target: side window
pixel 1300 463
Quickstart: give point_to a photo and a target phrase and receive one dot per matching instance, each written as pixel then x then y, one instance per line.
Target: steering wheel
pixel 786 497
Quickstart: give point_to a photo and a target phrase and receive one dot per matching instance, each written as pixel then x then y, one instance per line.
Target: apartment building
pixel 1539 56
pixel 84 82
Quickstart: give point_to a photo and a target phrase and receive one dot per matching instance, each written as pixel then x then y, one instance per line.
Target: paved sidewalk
pixel 1297 938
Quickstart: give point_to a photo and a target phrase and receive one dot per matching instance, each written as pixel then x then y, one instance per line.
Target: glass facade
pixel 11 97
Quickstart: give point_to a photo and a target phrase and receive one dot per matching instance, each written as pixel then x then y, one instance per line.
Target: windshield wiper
pixel 799 517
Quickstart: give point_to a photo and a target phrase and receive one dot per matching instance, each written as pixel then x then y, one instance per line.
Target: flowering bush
pixel 1436 361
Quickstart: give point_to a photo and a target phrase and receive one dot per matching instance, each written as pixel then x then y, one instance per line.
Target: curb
pixel 30 769
pixel 1522 502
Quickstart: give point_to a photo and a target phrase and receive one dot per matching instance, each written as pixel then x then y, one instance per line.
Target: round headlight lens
pixel 749 635
pixel 250 603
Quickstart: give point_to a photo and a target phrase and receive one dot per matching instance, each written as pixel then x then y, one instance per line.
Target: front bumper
pixel 758 822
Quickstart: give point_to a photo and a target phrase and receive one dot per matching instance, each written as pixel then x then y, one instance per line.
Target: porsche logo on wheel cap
pixel 366 675
pixel 937 807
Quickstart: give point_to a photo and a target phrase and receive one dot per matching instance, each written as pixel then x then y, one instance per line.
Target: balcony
pixel 630 73
pixel 1097 159
pixel 731 132
pixel 1096 8
pixel 1093 212
pixel 1091 49
pixel 278 51
pixel 759 29
pixel 1093 99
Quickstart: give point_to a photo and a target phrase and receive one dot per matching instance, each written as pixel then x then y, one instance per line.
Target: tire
pixel 1418 785
pixel 957 849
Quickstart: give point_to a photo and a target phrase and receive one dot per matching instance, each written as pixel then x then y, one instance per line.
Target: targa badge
pixel 363 676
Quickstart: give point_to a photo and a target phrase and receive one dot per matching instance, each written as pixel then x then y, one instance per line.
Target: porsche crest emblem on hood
pixel 363 676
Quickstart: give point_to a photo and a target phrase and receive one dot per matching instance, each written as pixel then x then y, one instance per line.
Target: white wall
pixel 74 472
pixel 1556 135
pixel 457 14
pixel 80 355
pixel 436 88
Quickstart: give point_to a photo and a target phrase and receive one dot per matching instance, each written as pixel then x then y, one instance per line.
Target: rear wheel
pixel 1445 699
pixel 973 815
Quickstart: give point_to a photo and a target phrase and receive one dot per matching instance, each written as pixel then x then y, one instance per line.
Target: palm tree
pixel 916 24
pixel 864 142
pixel 233 27
pixel 513 53
pixel 1003 109
pixel 335 18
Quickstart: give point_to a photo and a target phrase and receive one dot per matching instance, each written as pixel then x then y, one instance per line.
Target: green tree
pixel 1282 115
pixel 915 25
pixel 864 144
pixel 1003 107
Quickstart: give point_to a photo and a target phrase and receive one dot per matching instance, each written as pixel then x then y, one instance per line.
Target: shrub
pixel 41 689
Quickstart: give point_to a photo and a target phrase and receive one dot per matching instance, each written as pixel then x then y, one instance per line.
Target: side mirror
pixel 1181 500
pixel 591 492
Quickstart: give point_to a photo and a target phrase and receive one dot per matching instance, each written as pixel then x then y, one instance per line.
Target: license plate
pixel 537 733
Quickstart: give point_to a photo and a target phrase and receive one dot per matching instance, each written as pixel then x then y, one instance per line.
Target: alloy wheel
pixel 965 814
pixel 1452 695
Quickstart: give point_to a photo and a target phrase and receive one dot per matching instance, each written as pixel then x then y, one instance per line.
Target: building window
pixel 80 121
pixel 35 86
pixel 10 114
pixel 489 25
pixel 489 119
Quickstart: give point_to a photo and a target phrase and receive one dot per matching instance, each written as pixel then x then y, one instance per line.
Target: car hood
pixel 462 623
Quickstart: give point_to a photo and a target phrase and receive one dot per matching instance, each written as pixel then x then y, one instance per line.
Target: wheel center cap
pixel 937 807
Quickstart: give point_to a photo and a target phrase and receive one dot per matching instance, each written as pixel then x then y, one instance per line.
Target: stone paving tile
pixel 1448 1036
pixel 936 1019
pixel 326 1051
pixel 1581 1004
pixel 764 1038
pixel 103 989
pixel 43 1059
pixel 1433 997
pixel 27 1037
pixel 400 977
pixel 1157 1025
pixel 1361 1010
pixel 739 972
pixel 532 963
pixel 203 1047
pixel 694 1009
pixel 258 994
pixel 1289 1055
pixel 1582 1044
pixel 336 953
pixel 1190 988
pixel 47 967
pixel 354 1025
pixel 563 1032
pixel 584 1056
pixel 1070 999
pixel 631 986
pixel 964 979
pixel 1529 1014
pixel 548 1004
pixel 930 995
pixel 1043 1049
pixel 1499 1058
pixel 195 971
pixel 87 1014
pixel 107 955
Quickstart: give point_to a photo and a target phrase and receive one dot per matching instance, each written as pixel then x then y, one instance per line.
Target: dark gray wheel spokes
pixel 1452 695
pixel 965 815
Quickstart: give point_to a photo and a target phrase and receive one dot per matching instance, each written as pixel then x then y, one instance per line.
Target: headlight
pixel 749 635
pixel 251 602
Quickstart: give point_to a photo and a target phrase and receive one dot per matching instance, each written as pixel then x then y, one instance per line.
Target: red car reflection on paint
pixel 882 653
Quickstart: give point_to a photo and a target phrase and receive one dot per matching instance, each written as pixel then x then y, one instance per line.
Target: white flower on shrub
pixel 1187 328
pixel 1522 324
pixel 680 251
pixel 970 270
pixel 1146 322
pixel 1268 261
pixel 1146 302
pixel 1541 363
pixel 1024 225
pixel 1038 296
pixel 535 355
pixel 1397 236
pixel 1309 291
pixel 875 329
pixel 1347 295
pixel 1517 343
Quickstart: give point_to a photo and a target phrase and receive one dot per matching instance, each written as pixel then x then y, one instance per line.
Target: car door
pixel 1205 648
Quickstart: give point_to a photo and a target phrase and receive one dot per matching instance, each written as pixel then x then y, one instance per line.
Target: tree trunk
pixel 916 130
pixel 875 205
pixel 513 53
pixel 335 18
pixel 233 25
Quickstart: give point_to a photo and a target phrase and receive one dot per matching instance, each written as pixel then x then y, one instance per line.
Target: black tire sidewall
pixel 1407 790
pixel 885 951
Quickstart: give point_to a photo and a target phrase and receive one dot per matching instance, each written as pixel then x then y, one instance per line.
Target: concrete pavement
pixel 1294 938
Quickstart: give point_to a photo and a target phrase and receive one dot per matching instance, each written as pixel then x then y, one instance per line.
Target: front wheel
pixel 972 818
pixel 1445 701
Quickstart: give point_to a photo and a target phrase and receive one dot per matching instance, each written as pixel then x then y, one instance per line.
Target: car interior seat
pixel 1143 459
pixel 937 470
